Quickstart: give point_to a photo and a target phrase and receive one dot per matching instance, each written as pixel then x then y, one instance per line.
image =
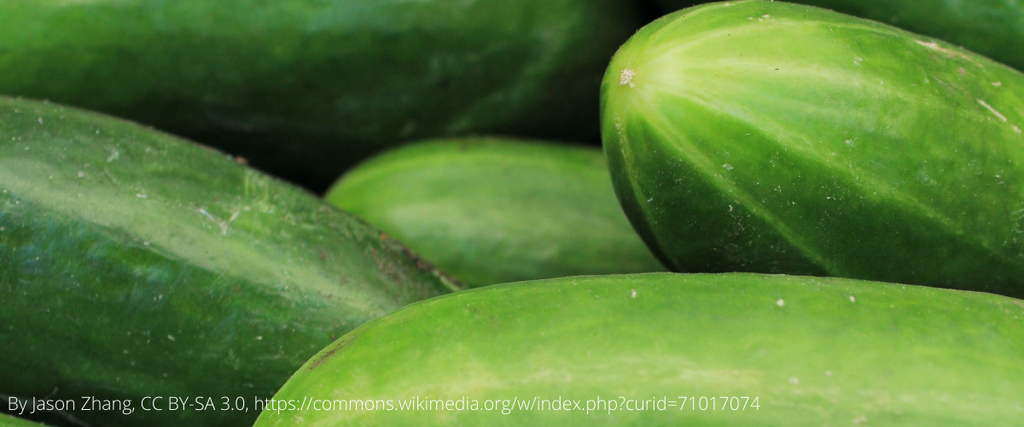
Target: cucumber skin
pixel 9 421
pixel 836 146
pixel 122 275
pixel 994 28
pixel 497 210
pixel 305 88
pixel 816 351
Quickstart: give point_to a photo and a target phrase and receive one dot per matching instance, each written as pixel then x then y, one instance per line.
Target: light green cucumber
pixel 994 28
pixel 771 137
pixel 134 264
pixel 306 88
pixel 9 421
pixel 806 351
pixel 495 210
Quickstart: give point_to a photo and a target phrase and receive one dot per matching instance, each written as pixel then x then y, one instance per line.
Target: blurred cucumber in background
pixel 494 210
pixel 305 88
pixel 994 28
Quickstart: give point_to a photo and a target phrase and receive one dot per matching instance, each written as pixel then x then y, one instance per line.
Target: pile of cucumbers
pixel 802 215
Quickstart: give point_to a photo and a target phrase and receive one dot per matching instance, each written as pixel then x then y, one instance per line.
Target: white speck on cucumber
pixel 626 77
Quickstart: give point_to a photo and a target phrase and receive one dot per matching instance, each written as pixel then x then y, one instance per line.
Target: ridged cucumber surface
pixel 812 352
pixel 495 210
pixel 136 264
pixel 771 137
pixel 994 28
pixel 305 88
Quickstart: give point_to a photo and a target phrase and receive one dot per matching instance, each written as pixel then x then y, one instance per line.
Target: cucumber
pixel 994 28
pixel 806 351
pixel 136 264
pixel 305 88
pixel 496 210
pixel 9 421
pixel 769 137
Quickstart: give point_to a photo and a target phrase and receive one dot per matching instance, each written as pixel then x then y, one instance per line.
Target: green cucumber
pixel 769 137
pixel 812 352
pixel 304 88
pixel 136 264
pixel 9 421
pixel 493 210
pixel 994 28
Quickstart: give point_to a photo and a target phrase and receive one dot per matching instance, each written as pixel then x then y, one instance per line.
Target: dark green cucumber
pixel 994 28
pixel 770 137
pixel 492 210
pixel 806 351
pixel 304 88
pixel 136 264
pixel 9 421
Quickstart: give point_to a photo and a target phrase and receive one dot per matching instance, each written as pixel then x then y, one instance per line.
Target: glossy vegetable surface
pixel 494 210
pixel 811 351
pixel 135 264
pixel 305 88
pixel 770 137
pixel 994 28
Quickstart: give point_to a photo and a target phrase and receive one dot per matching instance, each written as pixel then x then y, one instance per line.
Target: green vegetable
pixel 136 264
pixel 304 88
pixel 994 28
pixel 806 351
pixel 9 421
pixel 770 137
pixel 491 210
